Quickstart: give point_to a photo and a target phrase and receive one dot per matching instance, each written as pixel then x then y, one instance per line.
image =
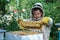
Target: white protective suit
pixel 46 30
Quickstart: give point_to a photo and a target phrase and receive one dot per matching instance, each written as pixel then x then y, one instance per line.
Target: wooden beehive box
pixel 24 35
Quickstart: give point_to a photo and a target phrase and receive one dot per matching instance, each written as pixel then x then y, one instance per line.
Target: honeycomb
pixel 33 24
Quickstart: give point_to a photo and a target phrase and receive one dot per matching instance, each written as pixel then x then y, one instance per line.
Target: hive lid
pixel 24 32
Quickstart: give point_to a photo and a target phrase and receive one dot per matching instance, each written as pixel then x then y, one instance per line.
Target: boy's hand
pixel 43 23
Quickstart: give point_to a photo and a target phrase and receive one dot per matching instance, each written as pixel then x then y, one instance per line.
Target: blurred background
pixel 12 10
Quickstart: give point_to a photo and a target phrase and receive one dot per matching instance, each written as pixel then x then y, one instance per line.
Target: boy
pixel 37 14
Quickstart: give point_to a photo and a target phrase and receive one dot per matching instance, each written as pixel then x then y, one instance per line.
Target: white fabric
pixel 10 36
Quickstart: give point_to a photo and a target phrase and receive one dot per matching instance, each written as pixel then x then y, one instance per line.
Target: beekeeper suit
pixel 46 29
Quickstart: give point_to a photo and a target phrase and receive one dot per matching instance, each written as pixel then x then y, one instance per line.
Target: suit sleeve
pixel 50 23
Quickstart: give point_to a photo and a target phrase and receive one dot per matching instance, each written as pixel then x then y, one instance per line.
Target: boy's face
pixel 37 14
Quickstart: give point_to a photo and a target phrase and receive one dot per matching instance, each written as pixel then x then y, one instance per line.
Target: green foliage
pixel 13 26
pixel 2 5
